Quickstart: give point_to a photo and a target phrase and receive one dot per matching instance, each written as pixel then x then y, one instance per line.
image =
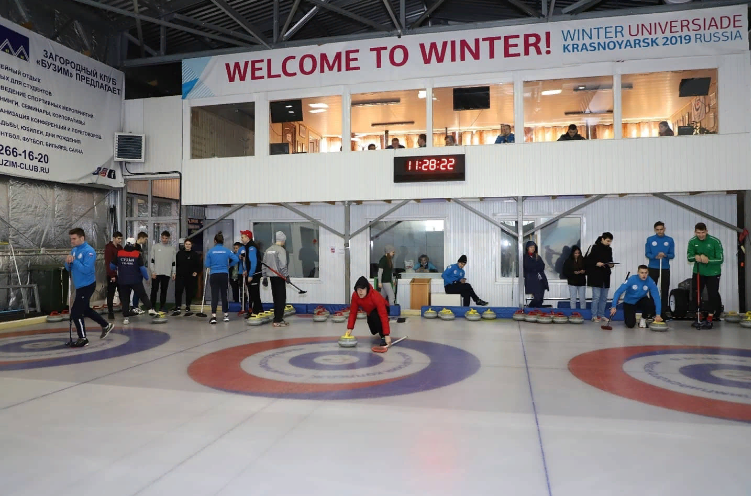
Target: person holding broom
pixel 374 305
pixel 635 289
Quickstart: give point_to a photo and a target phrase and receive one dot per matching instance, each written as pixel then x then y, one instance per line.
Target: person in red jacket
pixel 374 304
pixel 110 252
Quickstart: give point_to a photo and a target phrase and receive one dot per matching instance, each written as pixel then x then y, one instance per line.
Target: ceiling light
pixel 291 111
pixel 396 123
pixel 588 112
pixel 598 87
pixel 421 94
pixel 317 111
pixel 551 92
pixel 318 105
pixel 288 106
pixel 383 101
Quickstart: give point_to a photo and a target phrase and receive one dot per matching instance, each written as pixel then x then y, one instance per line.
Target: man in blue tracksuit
pixel 80 263
pixel 455 283
pixel 218 260
pixel 660 249
pixel 131 273
pixel 636 299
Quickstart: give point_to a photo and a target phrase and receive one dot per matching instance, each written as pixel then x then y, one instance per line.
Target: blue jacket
pixel 656 244
pixel 129 266
pixel 452 274
pixel 251 259
pixel 219 259
pixel 504 139
pixel 636 289
pixel 82 269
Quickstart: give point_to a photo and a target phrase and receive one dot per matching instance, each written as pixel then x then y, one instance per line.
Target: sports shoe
pixel 106 330
pixel 111 316
pixel 280 324
pixel 188 313
pixel 482 303
pixel 152 313
pixel 383 341
pixel 80 343
pixel 696 324
pixel 642 323
pixel 707 324
pixel 213 320
pixel 137 311
pixel 176 312
pixel 226 318
pixel 126 321
pixel 595 319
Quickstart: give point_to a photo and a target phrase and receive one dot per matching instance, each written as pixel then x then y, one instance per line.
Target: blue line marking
pixel 534 409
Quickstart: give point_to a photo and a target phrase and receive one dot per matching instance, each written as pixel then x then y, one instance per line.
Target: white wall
pixel 160 119
pixel 630 219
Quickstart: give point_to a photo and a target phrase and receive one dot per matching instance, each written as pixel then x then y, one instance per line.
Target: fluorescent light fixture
pixel 396 123
pixel 317 111
pixel 551 92
pixel 588 112
pixel 288 106
pixel 291 111
pixel 422 94
pixel 318 105
pixel 599 87
pixel 371 103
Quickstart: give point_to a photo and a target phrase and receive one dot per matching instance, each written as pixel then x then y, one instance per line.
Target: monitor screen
pixel 477 97
pixel 279 149
pixel 286 111
pixel 694 86
pixel 685 130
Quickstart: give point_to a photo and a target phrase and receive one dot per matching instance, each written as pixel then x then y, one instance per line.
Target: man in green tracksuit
pixel 705 252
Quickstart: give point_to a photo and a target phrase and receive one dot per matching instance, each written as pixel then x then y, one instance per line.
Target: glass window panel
pixel 302 245
pixel 223 131
pixel 316 128
pixel 411 239
pixel 380 118
pixel 137 200
pixel 550 106
pixel 170 227
pixel 653 105
pixel 476 126
pixel 510 248
pixel 555 243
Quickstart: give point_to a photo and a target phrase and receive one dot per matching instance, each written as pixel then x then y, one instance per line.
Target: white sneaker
pixel 126 321
pixel 137 311
pixel 642 323
pixel 226 318
pixel 595 319
pixel 152 312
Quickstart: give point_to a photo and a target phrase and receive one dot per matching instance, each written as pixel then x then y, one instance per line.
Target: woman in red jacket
pixel 374 304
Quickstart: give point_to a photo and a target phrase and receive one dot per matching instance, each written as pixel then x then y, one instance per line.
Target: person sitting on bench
pixel 455 283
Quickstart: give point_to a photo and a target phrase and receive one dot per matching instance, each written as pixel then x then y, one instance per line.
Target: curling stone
pixel 160 318
pixel 732 317
pixel 488 314
pixel 362 315
pixel 659 326
pixel 473 315
pixel 531 316
pixel 519 315
pixel 254 320
pixel 347 341
pixel 320 316
pixel 65 314
pixel 268 316
pixel 746 322
pixel 544 318
pixel 100 309
pixel 446 314
pixel 320 309
pixel 345 311
pixel 338 317
pixel 560 318
pixel 430 314
pixel 576 318
pixel 54 317
pixel 289 310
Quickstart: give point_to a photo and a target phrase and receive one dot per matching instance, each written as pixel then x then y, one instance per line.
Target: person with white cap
pixel 275 268
pixel 386 274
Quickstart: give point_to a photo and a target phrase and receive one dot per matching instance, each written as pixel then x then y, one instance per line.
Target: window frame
pixel 408 218
pixel 289 220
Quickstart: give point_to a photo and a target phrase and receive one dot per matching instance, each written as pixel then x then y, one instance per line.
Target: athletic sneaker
pixel 595 319
pixel 642 323
pixel 111 316
pixel 152 313
pixel 383 341
pixel 126 321
pixel 280 324
pixel 213 320
pixel 226 318
pixel 482 303
pixel 188 313
pixel 80 343
pixel 707 324
pixel 176 312
pixel 137 311
pixel 106 330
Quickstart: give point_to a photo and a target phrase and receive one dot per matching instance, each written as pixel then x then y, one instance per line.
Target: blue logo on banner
pixel 14 43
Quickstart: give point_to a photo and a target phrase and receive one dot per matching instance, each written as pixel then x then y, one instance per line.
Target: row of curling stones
pixel 65 314
pixel 471 314
pixel 540 317
pixel 322 315
pixel 736 318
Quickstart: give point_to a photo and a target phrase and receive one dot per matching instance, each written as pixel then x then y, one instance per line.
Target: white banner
pixel 533 46
pixel 59 111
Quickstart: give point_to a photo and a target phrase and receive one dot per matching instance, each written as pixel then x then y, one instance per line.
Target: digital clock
pixel 429 168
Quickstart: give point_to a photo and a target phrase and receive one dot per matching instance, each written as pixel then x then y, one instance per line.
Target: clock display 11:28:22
pixel 431 164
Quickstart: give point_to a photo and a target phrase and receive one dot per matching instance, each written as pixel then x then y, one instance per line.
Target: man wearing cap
pixel 131 273
pixel 455 283
pixel 275 268
pixel 248 254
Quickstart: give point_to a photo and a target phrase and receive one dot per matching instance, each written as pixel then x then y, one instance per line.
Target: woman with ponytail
pixel 599 261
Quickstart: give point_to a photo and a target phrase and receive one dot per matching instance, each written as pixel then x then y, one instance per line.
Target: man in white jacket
pixel 275 267
pixel 162 268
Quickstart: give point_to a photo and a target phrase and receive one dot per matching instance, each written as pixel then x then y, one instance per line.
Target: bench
pixel 445 300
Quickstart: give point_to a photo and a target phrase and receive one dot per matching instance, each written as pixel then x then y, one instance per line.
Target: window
pixel 301 245
pixel 219 131
pixel 411 239
pixel 475 115
pixel 307 125
pixel 551 106
pixel 380 118
pixel 161 199
pixel 684 102
pixel 554 243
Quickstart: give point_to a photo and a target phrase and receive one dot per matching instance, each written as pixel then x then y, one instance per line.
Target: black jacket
pixel 599 277
pixel 535 280
pixel 566 137
pixel 187 263
pixel 570 266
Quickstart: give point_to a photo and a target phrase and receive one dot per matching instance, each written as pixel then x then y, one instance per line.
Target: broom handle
pixel 205 280
pixel 398 340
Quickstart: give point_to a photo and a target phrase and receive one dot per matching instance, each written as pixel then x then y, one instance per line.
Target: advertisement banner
pixel 532 46
pixel 59 111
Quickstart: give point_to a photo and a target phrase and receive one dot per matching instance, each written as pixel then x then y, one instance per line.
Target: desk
pixel 403 293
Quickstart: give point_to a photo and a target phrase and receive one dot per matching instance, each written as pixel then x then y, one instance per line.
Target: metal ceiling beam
pixel 346 13
pixel 311 219
pixel 242 21
pixel 276 21
pixel 403 13
pixel 213 27
pixel 67 7
pixel 302 22
pixel 426 14
pixel 393 17
pixel 162 40
pixel 524 8
pixel 580 6
pixel 169 8
pixel 144 47
pixel 160 22
pixel 503 227
pixel 22 10
pixel 291 15
pixel 544 7
pixel 139 29
pixel 698 212
pixel 383 215
pixel 564 214
pixel 62 29
pixel 84 37
pixel 552 9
